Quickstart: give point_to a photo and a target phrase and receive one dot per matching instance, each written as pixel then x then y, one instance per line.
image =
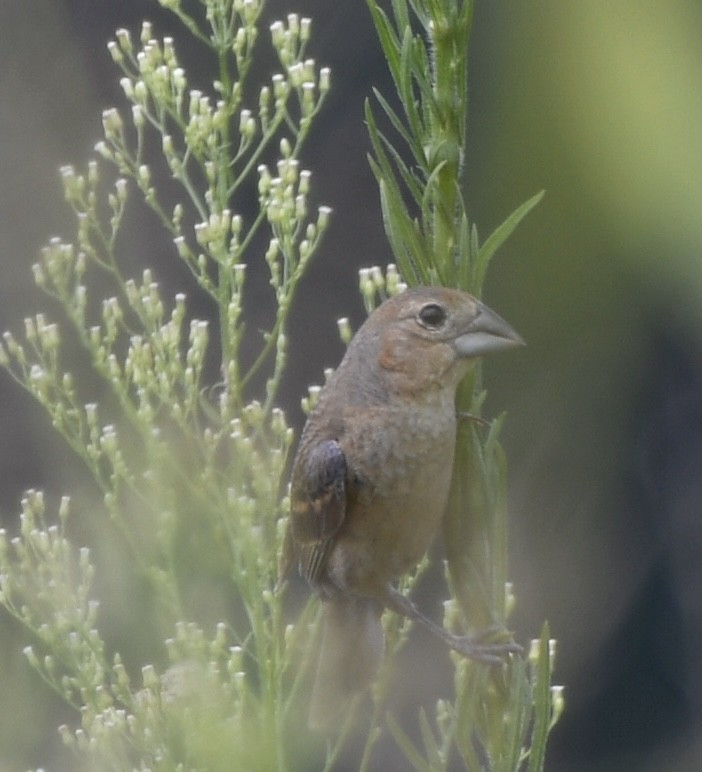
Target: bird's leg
pixel 487 653
pixel 464 415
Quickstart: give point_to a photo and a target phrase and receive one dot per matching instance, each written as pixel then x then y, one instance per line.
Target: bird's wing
pixel 318 506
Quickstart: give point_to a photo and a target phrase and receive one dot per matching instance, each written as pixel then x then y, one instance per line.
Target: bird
pixel 371 477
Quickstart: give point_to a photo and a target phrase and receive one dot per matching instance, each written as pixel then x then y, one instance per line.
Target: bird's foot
pixel 487 653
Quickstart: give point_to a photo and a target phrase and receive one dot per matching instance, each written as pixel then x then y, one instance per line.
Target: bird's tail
pixel 351 653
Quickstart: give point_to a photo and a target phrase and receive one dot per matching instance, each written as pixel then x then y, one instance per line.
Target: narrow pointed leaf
pixel 401 13
pixel 497 238
pixel 403 234
pixel 413 756
pixel 399 126
pixel 381 158
pixel 384 171
pixel 470 684
pixel 411 73
pixel 464 255
pixel 413 184
pixel 389 41
pixel 430 744
pixel 517 721
pixel 542 703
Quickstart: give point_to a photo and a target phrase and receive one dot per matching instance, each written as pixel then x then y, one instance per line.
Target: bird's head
pixel 427 337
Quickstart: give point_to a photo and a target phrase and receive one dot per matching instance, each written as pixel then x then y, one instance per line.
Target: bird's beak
pixel 487 333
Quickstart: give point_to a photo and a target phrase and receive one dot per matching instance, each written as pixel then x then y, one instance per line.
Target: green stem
pixel 449 45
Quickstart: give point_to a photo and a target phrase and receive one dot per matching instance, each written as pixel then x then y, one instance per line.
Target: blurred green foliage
pixel 598 103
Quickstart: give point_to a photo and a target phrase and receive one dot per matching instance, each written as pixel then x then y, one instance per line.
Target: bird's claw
pixel 486 653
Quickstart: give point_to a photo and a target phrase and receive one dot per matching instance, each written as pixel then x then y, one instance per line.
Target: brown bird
pixel 372 473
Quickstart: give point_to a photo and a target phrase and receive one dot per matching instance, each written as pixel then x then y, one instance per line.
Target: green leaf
pixel 498 237
pixel 412 73
pixel 430 202
pixel 394 119
pixel 474 244
pixel 403 232
pixel 399 126
pixel 420 12
pixel 466 18
pixel 389 40
pixel 430 744
pixel 518 698
pixel 470 687
pixel 413 756
pixel 377 144
pixel 401 11
pixel 464 255
pixel 422 77
pixel 542 703
pixel 404 235
pixel 412 182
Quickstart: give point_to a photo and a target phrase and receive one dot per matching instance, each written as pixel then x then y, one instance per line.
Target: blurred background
pixel 598 103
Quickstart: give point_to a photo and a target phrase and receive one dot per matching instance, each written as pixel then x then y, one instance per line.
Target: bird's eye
pixel 432 316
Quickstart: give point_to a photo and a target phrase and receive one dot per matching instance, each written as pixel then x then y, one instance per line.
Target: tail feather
pixel 351 653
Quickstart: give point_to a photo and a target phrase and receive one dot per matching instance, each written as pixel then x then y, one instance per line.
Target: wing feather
pixel 318 505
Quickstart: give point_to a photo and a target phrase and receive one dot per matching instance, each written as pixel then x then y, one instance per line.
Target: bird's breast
pixel 402 462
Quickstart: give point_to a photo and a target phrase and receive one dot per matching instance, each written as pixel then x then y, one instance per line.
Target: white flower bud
pixel 138 117
pixel 345 331
pixel 277 33
pixel 124 40
pixel 127 87
pixel 112 123
pixel 324 80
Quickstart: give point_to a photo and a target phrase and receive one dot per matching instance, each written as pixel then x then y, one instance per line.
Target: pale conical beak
pixel 487 333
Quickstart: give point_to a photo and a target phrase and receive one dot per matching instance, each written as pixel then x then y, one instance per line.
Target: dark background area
pixel 600 104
